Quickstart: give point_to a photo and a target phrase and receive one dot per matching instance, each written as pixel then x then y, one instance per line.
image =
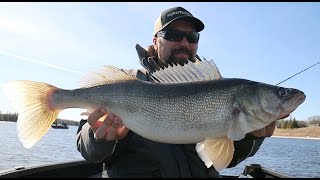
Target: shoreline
pixel 312 132
pixel 297 137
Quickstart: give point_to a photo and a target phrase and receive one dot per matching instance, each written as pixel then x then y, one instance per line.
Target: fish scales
pixel 186 110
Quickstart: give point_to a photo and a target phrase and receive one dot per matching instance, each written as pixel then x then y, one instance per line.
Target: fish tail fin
pixel 216 152
pixel 35 114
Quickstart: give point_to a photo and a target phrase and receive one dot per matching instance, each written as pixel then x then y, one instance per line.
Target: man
pixel 126 154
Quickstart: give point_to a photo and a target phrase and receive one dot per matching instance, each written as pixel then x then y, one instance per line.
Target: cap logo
pixel 178 12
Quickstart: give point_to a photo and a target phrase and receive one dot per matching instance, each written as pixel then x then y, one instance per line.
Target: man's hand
pixel 264 132
pixel 106 126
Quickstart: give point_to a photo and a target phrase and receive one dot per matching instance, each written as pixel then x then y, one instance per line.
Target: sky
pixel 59 42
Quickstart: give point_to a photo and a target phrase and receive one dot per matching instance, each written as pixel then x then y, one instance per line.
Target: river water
pixel 294 157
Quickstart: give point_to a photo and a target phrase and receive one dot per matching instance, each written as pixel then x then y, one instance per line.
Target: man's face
pixel 177 52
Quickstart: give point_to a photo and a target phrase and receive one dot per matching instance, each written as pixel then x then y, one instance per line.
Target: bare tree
pixel 314 120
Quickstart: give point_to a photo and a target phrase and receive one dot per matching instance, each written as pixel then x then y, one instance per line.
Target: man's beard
pixel 181 61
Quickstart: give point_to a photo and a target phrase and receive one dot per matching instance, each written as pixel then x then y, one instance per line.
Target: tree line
pixel 13 117
pixel 9 117
pixel 293 123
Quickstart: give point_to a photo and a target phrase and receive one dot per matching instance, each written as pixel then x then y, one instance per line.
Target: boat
pixel 55 125
pixel 85 169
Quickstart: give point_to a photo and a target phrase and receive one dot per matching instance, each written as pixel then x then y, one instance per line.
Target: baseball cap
pixel 173 14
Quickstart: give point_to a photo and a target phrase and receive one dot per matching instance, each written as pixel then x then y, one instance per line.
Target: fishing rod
pixel 298 73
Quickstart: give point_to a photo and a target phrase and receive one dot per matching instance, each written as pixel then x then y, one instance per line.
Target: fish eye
pixel 282 91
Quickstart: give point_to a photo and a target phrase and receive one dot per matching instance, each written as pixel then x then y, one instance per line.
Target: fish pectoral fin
pixel 239 125
pixel 217 152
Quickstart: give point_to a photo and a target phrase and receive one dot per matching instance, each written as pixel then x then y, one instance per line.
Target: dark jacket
pixel 135 156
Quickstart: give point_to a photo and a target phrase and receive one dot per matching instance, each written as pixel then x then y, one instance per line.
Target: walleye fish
pixel 186 104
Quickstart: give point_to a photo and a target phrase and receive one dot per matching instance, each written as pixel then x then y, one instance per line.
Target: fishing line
pixel 35 61
pixel 78 72
pixel 298 73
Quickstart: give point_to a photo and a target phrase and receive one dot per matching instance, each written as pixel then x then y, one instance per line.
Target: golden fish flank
pixel 188 104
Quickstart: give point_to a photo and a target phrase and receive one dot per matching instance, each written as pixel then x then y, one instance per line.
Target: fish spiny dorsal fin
pixel 189 72
pixel 105 75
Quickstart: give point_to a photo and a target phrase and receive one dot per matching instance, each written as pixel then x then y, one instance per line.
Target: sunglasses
pixel 177 36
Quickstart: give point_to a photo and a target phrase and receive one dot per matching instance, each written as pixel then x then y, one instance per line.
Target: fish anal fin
pixel 87 112
pixel 216 152
pixel 105 75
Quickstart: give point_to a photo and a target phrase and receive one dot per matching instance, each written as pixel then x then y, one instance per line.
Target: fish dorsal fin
pixel 105 75
pixel 216 152
pixel 189 72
